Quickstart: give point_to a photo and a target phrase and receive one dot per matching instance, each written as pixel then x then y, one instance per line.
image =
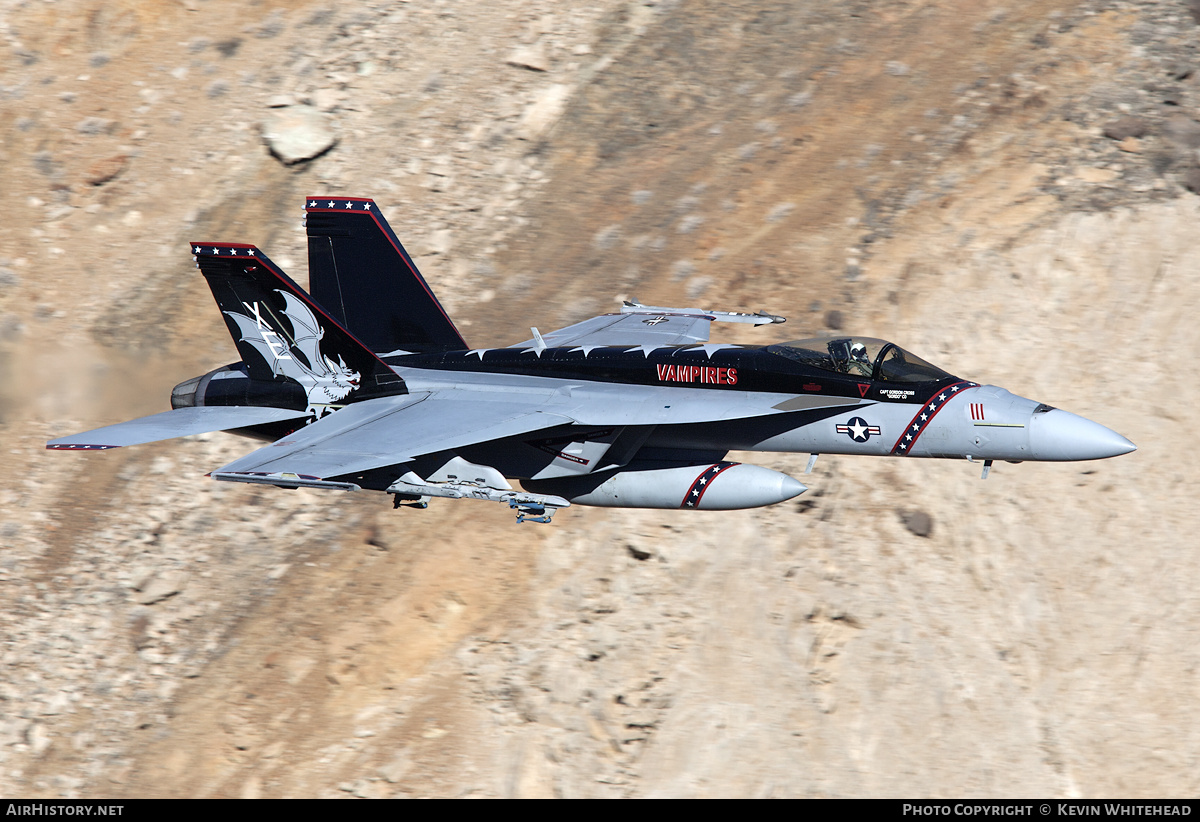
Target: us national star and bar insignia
pixel 858 429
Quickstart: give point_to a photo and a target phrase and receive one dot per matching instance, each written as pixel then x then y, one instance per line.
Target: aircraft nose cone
pixel 1059 435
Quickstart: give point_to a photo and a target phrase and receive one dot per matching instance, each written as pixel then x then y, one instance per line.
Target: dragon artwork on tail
pixel 326 383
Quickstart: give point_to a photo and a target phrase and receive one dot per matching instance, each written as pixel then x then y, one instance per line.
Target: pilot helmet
pixel 858 352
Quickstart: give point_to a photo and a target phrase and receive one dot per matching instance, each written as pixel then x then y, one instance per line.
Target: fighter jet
pixel 367 384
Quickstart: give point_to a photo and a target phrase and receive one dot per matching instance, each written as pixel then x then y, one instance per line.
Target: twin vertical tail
pixel 282 334
pixel 367 300
pixel 365 279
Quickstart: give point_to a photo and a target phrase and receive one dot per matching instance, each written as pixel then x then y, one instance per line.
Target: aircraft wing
pixel 639 324
pixel 605 404
pixel 177 423
pixel 387 431
pixel 394 430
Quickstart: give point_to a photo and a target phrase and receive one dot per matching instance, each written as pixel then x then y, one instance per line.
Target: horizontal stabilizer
pixel 170 424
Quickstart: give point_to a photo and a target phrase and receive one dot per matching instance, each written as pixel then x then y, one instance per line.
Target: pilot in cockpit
pixel 859 362
pixel 850 357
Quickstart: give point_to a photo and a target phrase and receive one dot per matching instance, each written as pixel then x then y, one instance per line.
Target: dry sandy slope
pixel 907 170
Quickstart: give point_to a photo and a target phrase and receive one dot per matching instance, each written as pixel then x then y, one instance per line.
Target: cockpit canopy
pixel 864 357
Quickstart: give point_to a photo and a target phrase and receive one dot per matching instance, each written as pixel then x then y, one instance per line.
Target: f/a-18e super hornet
pixel 367 384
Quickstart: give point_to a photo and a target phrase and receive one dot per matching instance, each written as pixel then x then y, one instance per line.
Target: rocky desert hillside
pixel 1006 189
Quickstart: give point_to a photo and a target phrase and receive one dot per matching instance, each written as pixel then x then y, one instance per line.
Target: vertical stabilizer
pixel 282 334
pixel 365 279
